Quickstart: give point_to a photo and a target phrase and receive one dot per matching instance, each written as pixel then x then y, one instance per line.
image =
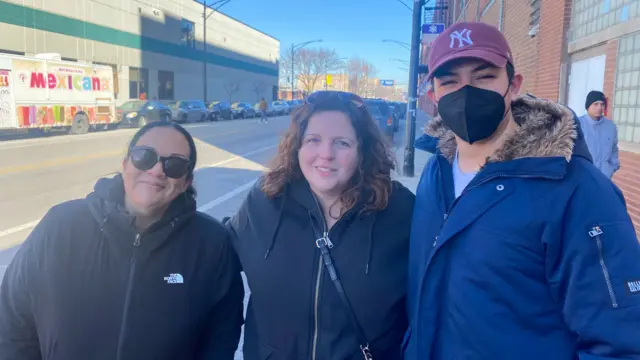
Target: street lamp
pixel 405 5
pixel 403 44
pixel 214 7
pixel 294 48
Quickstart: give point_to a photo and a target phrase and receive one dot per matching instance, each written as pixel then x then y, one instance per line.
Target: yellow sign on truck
pixel 42 93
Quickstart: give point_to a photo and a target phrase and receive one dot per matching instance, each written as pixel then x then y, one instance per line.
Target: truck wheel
pixel 80 124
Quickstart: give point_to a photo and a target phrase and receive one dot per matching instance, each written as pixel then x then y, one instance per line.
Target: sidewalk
pixel 420 157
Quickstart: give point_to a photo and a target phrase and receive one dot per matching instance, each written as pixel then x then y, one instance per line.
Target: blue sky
pixel 351 27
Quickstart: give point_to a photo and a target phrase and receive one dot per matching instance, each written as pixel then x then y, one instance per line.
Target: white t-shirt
pixel 461 179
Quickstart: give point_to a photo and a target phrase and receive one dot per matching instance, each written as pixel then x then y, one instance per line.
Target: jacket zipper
pixel 127 297
pixel 316 319
pixel 315 310
pixel 596 233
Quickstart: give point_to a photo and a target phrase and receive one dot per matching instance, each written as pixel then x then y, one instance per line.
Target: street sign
pixel 387 82
pixel 431 31
pixel 329 80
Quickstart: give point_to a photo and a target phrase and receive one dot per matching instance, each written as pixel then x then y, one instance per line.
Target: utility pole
pixel 412 101
pixel 220 4
pixel 293 55
pixel 412 104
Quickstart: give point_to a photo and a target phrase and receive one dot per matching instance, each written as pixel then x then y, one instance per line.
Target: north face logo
pixel 460 37
pixel 174 279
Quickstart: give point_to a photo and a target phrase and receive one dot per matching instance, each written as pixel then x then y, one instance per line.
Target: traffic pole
pixel 293 55
pixel 412 101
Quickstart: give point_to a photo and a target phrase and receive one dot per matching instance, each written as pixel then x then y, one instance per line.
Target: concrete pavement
pixel 420 157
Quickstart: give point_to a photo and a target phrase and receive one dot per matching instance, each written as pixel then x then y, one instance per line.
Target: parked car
pixel 384 120
pixel 188 111
pixel 219 110
pixel 280 107
pixel 242 110
pixel 141 112
pixel 295 104
pixel 385 110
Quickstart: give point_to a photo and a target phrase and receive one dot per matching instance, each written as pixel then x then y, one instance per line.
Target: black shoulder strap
pixel 328 262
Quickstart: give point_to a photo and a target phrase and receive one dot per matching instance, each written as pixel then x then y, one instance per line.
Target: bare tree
pixel 259 88
pixel 306 68
pixel 327 62
pixel 231 88
pixel 361 76
pixel 310 66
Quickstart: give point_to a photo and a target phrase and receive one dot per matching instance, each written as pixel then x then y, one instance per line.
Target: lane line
pixel 65 139
pixel 58 162
pixel 78 159
pixel 19 228
pixel 211 204
pixel 207 206
pixel 236 157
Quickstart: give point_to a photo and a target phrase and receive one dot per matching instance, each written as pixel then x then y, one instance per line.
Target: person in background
pixel 426 142
pixel 520 247
pixel 132 271
pixel 601 134
pixel 323 239
pixel 263 111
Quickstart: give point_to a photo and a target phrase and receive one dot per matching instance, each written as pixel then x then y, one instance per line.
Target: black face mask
pixel 473 114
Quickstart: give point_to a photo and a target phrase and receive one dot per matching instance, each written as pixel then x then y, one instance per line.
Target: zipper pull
pixel 329 243
pixel 595 231
pixel 136 242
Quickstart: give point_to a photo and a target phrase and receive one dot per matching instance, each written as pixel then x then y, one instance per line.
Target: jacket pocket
pixel 266 351
pixel 619 269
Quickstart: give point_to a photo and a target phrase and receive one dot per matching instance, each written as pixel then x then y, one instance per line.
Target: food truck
pixel 44 92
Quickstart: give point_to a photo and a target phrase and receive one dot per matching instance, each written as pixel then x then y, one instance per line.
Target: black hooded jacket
pixel 295 311
pixel 86 286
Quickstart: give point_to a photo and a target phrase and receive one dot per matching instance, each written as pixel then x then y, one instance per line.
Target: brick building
pixel 566 48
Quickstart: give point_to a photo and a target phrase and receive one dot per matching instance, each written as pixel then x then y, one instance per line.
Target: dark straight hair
pixel 193 152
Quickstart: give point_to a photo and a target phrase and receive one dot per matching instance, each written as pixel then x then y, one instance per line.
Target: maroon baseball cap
pixel 473 40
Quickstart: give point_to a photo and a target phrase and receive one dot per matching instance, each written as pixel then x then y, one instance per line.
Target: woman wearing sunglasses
pixel 132 271
pixel 323 239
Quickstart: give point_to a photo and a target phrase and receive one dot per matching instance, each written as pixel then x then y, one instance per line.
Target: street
pixel 36 174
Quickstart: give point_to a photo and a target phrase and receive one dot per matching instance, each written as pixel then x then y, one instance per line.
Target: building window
pixel 627 89
pixel 138 83
pixel 165 85
pixel 589 17
pixel 188 36
pixel 535 13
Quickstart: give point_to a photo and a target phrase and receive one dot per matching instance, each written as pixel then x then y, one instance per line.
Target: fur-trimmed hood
pixel 546 129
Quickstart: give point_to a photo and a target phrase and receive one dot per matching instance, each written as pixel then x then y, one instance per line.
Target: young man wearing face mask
pixel 520 247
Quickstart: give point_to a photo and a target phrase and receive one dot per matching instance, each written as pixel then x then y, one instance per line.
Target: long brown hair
pixel 373 175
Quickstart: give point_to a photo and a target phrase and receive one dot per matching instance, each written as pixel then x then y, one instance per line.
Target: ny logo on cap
pixel 462 37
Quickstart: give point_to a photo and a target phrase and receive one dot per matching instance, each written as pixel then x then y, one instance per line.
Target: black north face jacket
pixel 85 285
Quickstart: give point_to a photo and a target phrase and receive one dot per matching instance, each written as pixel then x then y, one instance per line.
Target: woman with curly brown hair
pixel 323 240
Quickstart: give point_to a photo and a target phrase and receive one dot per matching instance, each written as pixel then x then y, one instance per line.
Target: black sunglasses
pixel 144 158
pixel 326 95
